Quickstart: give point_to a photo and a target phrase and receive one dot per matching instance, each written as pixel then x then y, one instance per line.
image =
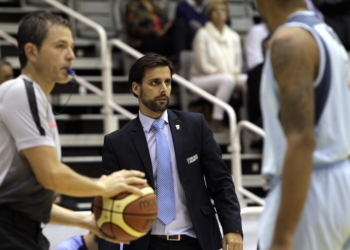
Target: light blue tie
pixel 165 185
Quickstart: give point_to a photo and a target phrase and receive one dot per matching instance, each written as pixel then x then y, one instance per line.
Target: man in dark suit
pixel 197 170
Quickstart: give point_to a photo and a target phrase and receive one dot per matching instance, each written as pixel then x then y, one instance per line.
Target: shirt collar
pixel 147 122
pixel 301 12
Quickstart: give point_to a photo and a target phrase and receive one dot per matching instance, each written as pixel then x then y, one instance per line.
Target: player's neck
pixel 278 17
pixel 44 82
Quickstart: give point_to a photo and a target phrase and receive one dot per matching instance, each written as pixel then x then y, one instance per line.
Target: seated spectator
pixel 148 29
pixel 80 242
pixel 190 16
pixel 6 72
pixel 217 59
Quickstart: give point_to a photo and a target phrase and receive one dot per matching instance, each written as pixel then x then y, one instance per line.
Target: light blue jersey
pixel 325 220
pixel 332 102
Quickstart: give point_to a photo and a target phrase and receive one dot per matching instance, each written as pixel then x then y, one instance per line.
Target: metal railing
pixel 234 131
pixel 8 38
pixel 107 93
pixel 106 68
pixel 236 158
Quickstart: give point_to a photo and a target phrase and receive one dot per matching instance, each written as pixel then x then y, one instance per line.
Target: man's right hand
pixel 120 181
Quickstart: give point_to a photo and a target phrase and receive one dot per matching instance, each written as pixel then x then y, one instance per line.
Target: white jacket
pixel 215 51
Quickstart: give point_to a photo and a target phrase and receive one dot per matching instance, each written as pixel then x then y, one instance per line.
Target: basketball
pixel 126 216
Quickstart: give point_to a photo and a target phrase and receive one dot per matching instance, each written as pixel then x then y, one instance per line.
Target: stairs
pixel 81 124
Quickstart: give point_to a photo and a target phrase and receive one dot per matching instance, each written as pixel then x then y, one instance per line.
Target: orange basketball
pixel 126 216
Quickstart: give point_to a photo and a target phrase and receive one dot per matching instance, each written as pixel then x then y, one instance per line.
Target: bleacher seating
pixel 81 124
pixel 102 12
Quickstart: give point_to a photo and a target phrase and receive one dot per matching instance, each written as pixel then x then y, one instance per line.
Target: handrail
pixel 82 82
pixel 106 68
pixel 236 158
pixel 231 114
pixel 8 38
pixel 100 93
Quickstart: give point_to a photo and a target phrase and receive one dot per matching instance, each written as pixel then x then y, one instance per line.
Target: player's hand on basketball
pixel 91 225
pixel 120 181
pixel 232 241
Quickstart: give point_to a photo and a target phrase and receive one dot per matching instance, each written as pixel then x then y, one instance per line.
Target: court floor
pixel 58 233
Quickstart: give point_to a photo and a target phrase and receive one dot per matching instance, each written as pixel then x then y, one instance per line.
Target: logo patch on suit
pixel 192 159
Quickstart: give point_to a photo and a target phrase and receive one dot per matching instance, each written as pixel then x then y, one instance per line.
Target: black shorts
pixel 19 232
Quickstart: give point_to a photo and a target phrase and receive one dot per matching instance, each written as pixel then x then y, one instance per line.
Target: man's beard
pixel 152 104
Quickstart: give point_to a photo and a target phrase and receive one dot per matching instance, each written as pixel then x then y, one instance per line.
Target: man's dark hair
pixel 137 71
pixel 3 62
pixel 33 28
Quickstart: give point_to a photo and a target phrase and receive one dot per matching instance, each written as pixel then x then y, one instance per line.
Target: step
pixel 248 180
pixel 99 158
pixel 10 28
pixel 64 117
pixel 96 140
pixel 81 159
pixel 126 99
pixel 87 124
pixel 81 140
pixel 123 79
pixel 243 156
pixel 27 9
pixel 79 63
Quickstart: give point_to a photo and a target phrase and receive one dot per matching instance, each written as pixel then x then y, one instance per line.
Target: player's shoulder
pixel 294 42
pixel 297 36
pixel 14 88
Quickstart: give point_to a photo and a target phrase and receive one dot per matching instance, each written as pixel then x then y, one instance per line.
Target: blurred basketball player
pixel 306 115
pixel 30 167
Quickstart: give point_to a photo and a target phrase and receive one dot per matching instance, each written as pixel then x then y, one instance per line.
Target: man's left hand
pixel 232 241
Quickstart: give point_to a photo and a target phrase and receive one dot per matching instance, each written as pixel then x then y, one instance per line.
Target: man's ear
pixel 31 51
pixel 135 88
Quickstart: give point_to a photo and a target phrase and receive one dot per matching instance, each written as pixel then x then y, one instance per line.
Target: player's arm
pixel 54 175
pixel 63 216
pixel 295 60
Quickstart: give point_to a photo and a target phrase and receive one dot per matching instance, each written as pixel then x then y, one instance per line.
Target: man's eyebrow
pixel 63 41
pixel 157 79
pixel 154 79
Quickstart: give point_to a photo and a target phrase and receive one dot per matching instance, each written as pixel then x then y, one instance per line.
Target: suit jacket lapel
pixel 139 139
pixel 176 133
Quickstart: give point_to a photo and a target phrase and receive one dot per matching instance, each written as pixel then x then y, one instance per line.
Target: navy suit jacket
pixel 127 149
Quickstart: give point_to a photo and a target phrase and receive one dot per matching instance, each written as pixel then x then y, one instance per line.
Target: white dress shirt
pixel 253 44
pixel 182 223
